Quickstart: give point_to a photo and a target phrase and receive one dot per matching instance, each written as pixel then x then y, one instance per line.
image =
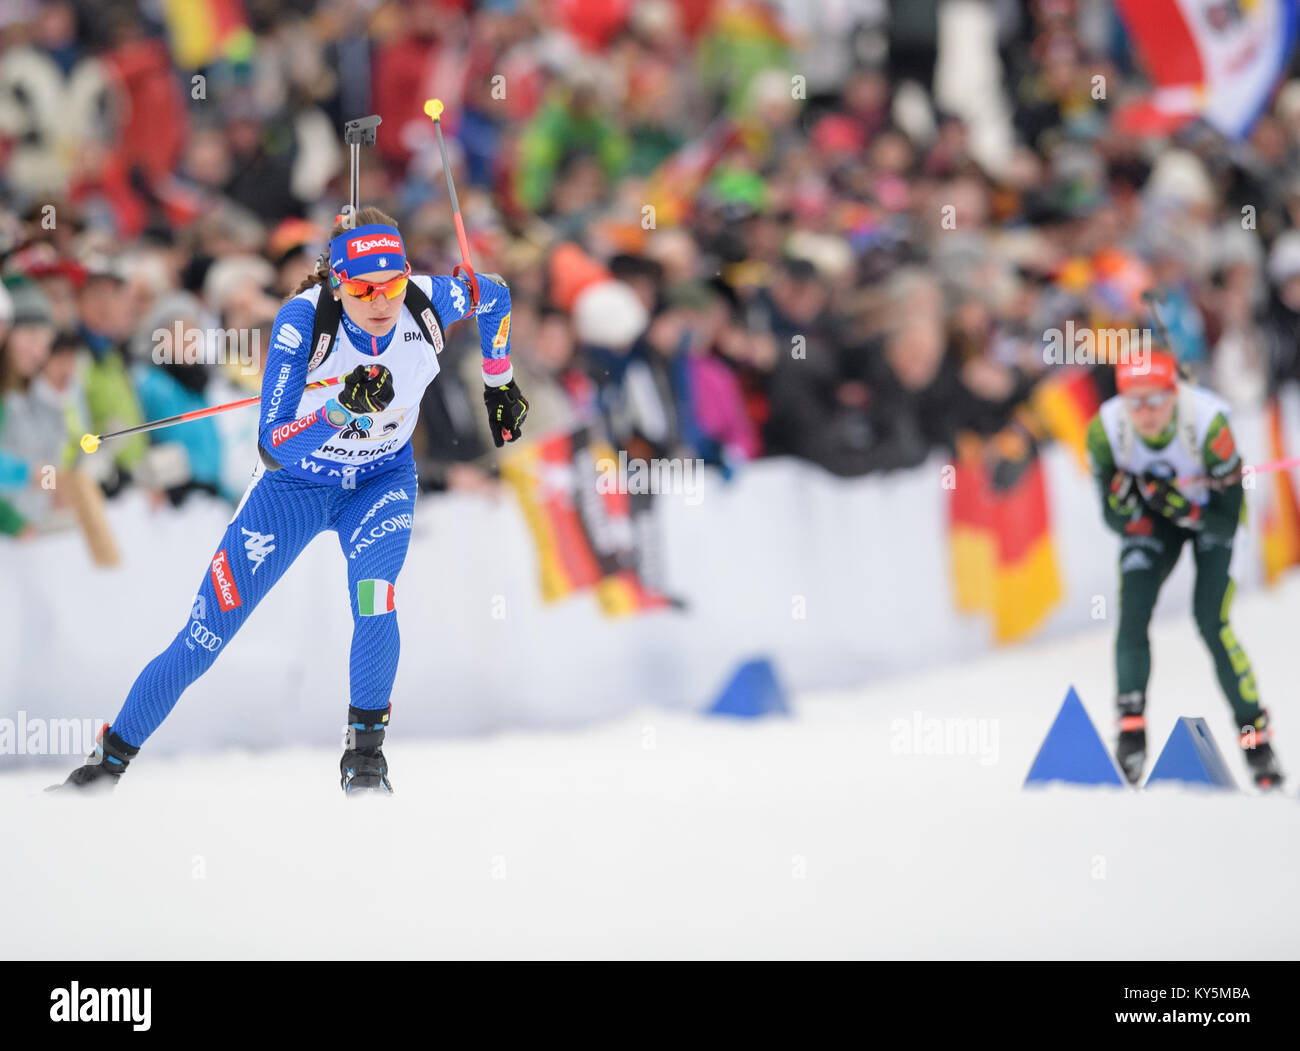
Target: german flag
pixel 540 477
pixel 970 528
pixel 584 536
pixel 1066 401
pixel 1003 556
pixel 203 31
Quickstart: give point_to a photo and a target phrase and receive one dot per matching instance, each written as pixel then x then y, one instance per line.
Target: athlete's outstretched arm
pixel 281 436
pixel 450 296
pixel 507 408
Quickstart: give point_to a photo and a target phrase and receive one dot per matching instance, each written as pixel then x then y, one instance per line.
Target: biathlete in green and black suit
pixel 1155 432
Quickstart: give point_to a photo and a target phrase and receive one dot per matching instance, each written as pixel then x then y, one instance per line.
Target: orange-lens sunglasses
pixel 366 290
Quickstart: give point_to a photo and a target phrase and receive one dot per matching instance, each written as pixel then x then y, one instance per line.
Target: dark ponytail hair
pixel 321 274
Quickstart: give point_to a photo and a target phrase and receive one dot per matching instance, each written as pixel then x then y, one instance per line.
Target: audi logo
pixel 203 637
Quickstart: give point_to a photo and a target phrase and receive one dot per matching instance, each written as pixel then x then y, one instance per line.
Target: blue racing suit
pixel 359 481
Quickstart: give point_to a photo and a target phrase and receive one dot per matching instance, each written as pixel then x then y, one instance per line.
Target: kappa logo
pixel 200 610
pixel 258 546
pixel 458 297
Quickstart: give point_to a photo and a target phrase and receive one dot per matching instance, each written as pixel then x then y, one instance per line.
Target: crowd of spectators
pixel 731 228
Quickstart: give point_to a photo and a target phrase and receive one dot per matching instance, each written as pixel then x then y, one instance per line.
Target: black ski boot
pixel 1131 745
pixel 103 767
pixel 363 765
pixel 1256 742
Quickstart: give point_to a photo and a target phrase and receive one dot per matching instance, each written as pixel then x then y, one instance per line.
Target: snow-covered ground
pixel 662 834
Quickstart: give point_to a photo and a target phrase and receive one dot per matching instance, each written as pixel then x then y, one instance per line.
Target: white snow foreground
pixel 888 822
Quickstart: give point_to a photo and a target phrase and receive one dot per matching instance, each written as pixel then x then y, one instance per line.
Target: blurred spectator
pixel 111 400
pixel 731 228
pixel 171 375
pixel 32 427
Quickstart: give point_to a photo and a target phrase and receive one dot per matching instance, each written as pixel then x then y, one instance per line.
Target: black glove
pixel 1124 495
pixel 507 409
pixel 367 388
pixel 1165 498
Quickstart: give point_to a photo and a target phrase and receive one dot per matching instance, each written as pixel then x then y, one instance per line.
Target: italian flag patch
pixel 374 597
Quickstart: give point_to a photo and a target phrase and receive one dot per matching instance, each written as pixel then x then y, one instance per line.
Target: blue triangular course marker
pixel 752 691
pixel 1073 751
pixel 1191 757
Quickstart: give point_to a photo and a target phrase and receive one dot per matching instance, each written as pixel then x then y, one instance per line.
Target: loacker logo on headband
pixel 373 243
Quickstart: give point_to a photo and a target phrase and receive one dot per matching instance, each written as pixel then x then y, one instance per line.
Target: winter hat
pixel 571 272
pixel 1284 257
pixel 228 275
pixel 1159 370
pixel 30 307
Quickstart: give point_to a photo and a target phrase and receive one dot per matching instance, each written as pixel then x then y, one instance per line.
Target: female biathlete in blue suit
pixel 336 458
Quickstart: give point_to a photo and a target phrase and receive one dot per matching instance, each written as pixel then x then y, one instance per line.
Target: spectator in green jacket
pixel 110 396
pixel 571 121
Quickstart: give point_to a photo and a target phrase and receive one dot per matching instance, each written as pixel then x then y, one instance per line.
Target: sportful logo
pixel 376 243
pixel 288 339
pixel 258 546
pixel 389 525
pixel 223 583
pixel 387 498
